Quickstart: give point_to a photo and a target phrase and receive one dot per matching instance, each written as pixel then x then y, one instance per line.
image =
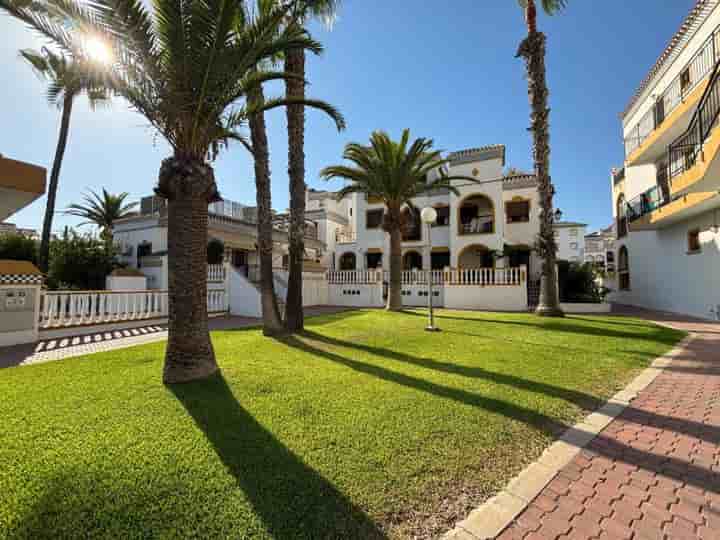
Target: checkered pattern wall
pixel 21 279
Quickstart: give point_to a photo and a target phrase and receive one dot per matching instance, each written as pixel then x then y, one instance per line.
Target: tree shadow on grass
pixel 659 334
pixel 291 499
pixel 581 399
pixel 662 464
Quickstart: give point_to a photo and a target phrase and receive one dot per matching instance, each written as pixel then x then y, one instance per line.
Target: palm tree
pixel 67 78
pixel 295 88
pixel 102 211
pixel 395 173
pixel 185 67
pixel 532 49
pixel 272 321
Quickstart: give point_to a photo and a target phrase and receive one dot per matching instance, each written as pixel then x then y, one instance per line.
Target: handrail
pixel 683 151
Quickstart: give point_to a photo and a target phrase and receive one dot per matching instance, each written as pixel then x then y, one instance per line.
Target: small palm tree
pixel 67 78
pixel 102 211
pixel 532 49
pixel 188 68
pixel 303 12
pixel 395 172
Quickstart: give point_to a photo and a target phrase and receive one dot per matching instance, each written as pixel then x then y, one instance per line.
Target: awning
pixel 440 249
pixel 373 250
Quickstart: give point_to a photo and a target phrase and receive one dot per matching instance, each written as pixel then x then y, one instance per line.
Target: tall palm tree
pixel 394 172
pixel 67 78
pixel 185 67
pixel 102 211
pixel 295 88
pixel 272 320
pixel 532 49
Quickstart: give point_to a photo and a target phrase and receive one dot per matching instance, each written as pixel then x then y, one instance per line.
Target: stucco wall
pixel 663 276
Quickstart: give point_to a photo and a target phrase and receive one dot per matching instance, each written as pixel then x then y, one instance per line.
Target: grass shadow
pixel 583 400
pixel 291 499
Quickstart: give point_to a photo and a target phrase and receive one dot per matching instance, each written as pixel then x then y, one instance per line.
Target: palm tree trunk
pixel 44 255
pixel 294 316
pixel 532 49
pixel 272 324
pixel 394 300
pixel 189 185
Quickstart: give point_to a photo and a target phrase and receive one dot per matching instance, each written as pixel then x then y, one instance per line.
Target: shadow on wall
pixel 290 498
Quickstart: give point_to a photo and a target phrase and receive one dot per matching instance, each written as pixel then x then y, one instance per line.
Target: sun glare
pixel 98 50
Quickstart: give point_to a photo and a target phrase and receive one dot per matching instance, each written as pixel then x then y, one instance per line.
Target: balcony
pixel 345 236
pixel 669 116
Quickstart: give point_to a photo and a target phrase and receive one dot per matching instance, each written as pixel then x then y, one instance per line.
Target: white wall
pixel 126 283
pixel 244 296
pixel 571 247
pixel 356 295
pixel 500 298
pixel 664 277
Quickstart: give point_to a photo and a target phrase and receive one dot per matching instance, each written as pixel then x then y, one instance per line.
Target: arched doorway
pixel 621 213
pixel 476 215
pixel 348 261
pixel 412 260
pixel 623 269
pixel 476 256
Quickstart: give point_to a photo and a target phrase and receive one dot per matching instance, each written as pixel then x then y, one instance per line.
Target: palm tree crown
pixel 102 211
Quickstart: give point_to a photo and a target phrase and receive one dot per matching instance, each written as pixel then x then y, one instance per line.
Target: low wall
pixel 495 298
pixel 416 295
pixel 582 307
pixel 356 295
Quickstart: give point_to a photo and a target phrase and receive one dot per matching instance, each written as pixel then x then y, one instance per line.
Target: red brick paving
pixel 654 472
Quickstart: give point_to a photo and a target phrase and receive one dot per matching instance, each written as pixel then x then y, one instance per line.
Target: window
pixel 623 269
pixel 685 80
pixel 621 212
pixel 659 111
pixel 610 256
pixel 573 245
pixel 440 260
pixel 373 218
pixel 411 226
pixel 694 241
pixel 517 211
pixel 373 260
pixel 347 261
pixel 476 216
pixel 143 250
pixel 443 216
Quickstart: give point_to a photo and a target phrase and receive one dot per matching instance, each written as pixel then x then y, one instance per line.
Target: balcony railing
pixel 685 82
pixel 345 236
pixel 646 202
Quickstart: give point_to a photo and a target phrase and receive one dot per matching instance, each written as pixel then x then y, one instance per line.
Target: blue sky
pixel 445 70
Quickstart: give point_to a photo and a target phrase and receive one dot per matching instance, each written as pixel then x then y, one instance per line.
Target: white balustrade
pixel 83 308
pixel 483 277
pixel 216 273
pixel 354 277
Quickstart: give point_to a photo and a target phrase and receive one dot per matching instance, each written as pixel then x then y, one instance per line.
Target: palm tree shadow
pixel 290 498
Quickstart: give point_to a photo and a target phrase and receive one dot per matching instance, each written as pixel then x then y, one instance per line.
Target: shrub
pixel 577 282
pixel 79 262
pixel 17 247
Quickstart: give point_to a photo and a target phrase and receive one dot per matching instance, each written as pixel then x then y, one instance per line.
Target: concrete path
pixel 57 349
pixel 654 472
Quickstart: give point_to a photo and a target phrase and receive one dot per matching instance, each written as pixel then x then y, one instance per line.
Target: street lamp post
pixel 428 217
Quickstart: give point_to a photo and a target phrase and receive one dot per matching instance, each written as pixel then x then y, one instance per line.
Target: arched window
pixel 348 261
pixel 623 269
pixel 621 212
pixel 412 260
pixel 475 256
pixel 476 215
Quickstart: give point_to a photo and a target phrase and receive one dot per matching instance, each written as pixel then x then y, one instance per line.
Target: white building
pixel 666 199
pixel 570 239
pixel 600 249
pixel 142 240
pixel 496 215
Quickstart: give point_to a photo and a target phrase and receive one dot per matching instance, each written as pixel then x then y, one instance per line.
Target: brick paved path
pixel 654 472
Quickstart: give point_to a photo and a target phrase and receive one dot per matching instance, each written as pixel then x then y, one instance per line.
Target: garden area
pixel 362 426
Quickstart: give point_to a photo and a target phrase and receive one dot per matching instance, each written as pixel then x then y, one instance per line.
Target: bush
pixel 17 247
pixel 79 262
pixel 215 251
pixel 577 282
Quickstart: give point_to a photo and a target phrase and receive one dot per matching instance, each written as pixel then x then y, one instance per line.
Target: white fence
pixel 82 308
pixel 483 277
pixel 216 273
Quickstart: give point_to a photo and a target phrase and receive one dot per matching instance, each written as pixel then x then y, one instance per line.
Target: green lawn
pixel 366 426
